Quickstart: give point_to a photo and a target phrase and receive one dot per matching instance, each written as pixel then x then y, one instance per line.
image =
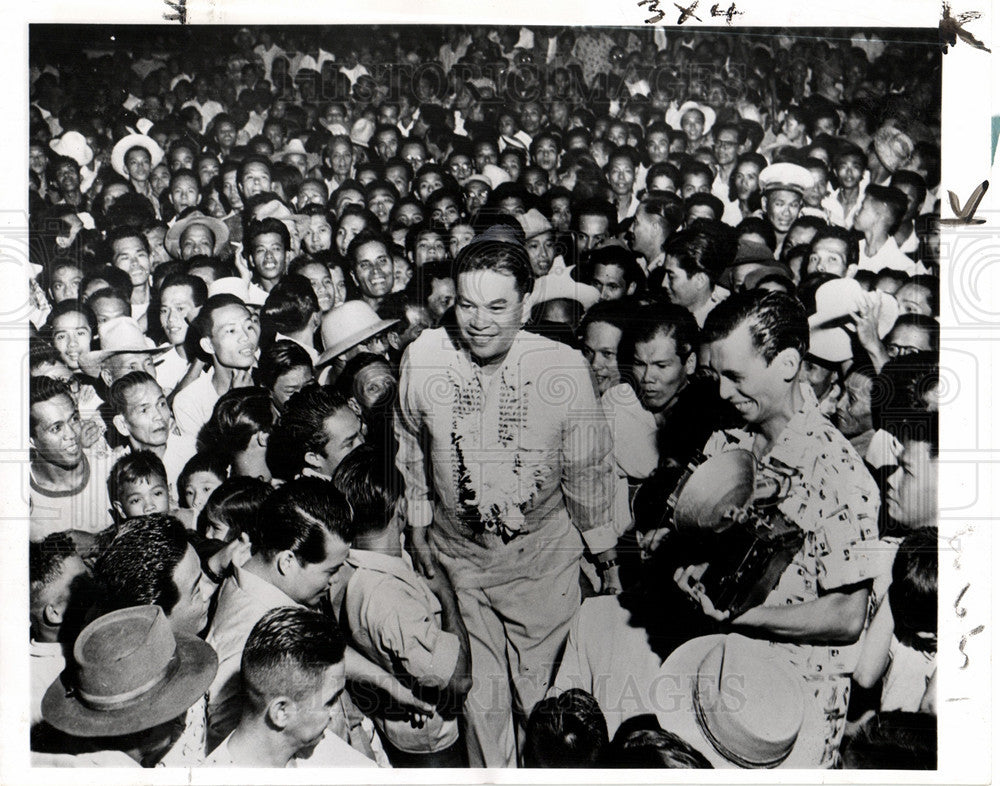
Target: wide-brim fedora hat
pixel 132 672
pixel 118 336
pixel 739 707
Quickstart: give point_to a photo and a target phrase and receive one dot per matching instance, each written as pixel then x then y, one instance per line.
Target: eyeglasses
pixel 900 350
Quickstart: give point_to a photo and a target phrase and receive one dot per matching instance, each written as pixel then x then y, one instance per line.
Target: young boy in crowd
pixel 406 623
pixel 137 486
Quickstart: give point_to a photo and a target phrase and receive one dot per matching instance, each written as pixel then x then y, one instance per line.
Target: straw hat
pixel 119 335
pixel 133 673
pixel 348 325
pixel 739 708
pixel 126 143
pixel 219 230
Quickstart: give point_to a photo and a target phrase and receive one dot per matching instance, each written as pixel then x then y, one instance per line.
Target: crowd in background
pixel 365 364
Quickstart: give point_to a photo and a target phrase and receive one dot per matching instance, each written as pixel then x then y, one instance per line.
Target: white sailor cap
pixel 786 177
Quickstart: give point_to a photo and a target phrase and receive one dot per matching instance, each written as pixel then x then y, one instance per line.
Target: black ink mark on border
pixel 178 12
pixel 966 214
pixel 654 8
pixel 729 13
pixel 687 13
pixel 950 29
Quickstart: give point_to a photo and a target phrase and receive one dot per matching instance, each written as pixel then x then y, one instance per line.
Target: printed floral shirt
pixel 835 501
pixel 515 456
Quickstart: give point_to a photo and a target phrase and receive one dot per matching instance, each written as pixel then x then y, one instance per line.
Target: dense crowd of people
pixel 490 397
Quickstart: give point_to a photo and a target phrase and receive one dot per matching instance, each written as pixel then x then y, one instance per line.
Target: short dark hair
pixel 363 238
pixel 664 319
pixel 933 286
pixel 238 416
pixel 125 231
pixel 199 462
pixel 289 305
pixel 279 358
pixel 568 730
pixel 287 653
pixel 594 206
pixel 118 395
pixel 894 740
pixel 913 592
pixel 46 558
pixel 136 568
pixel 299 430
pixel 134 466
pixel 708 200
pixel 235 503
pixel 640 743
pixel 253 158
pixel 197 286
pixel 698 252
pixel 846 236
pixel 203 322
pixel 44 389
pixel 494 251
pixel 620 257
pixel 892 199
pixel 900 398
pixel 372 485
pixel 295 516
pixel 922 322
pixel 267 226
pixel 776 321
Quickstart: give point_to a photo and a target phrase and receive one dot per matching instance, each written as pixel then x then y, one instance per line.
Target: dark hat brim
pixel 63 710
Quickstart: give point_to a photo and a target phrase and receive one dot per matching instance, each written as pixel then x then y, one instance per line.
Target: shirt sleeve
pixel 588 470
pixel 404 630
pixel 410 458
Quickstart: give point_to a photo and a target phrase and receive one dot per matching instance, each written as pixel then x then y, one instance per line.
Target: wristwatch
pixel 605 565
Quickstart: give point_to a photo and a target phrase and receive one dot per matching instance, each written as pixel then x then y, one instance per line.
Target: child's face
pixel 199 488
pixel 144 496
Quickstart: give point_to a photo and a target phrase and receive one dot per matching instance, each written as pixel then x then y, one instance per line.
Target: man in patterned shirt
pixel 520 462
pixel 814 616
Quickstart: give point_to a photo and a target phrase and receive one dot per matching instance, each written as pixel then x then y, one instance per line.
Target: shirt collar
pixel 260 589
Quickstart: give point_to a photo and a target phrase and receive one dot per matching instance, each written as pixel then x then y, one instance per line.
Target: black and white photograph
pixel 491 396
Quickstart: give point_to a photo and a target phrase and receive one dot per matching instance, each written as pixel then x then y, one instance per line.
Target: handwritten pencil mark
pixel 960 611
pixel 965 639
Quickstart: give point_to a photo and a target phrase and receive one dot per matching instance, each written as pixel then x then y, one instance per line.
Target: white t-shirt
pixel 194 404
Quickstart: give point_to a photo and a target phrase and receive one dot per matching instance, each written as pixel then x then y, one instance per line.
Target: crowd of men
pixel 375 378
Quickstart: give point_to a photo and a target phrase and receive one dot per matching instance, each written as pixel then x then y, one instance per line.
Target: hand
pixel 235 553
pixel 648 541
pixel 242 378
pixel 90 432
pixel 420 552
pixel 689 581
pixel 611 583
pixel 241 265
pixel 404 696
pixel 866 324
pixel 439 583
